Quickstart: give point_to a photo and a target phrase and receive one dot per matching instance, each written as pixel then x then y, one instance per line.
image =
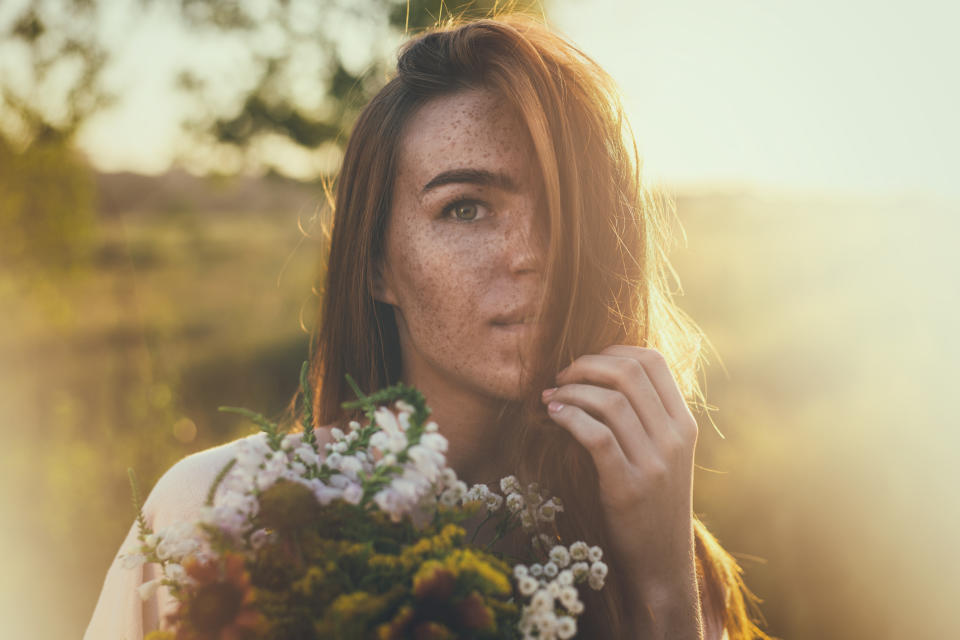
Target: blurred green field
pixel 835 319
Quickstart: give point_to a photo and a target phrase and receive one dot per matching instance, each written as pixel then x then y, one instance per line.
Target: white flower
pixel 547 512
pixel 527 585
pixel 542 601
pixel 514 502
pixel 448 477
pixel 560 555
pixel 147 589
pixel 550 569
pixel 307 455
pixel 387 421
pixel 448 498
pixel 403 405
pixel 336 433
pixel 494 501
pixel 595 554
pixel 598 569
pixel 353 425
pixel 175 572
pixel 580 570
pixel 566 627
pixel 353 493
pixel 553 589
pixel 325 495
pixel 520 570
pixel 565 578
pixel 595 582
pixel 350 466
pixel 509 485
pixel 526 520
pixel 576 608
pixel 568 596
pixel 579 550
pixel 536 569
pixel 431 427
pixel 291 441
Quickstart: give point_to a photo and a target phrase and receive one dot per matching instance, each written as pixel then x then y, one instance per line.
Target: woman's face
pixel 465 244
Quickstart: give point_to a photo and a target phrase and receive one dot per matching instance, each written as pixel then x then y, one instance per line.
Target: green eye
pixel 464 210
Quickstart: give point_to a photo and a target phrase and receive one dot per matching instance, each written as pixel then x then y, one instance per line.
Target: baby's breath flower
pixel 580 571
pixel 565 578
pixel 560 555
pixel 536 569
pixel 596 553
pixel 595 582
pixel 527 585
pixel 550 569
pixel 568 596
pixel 579 550
pixel 520 570
pixel 448 498
pixel 599 569
pixel 541 601
pixel 514 502
pixel 509 485
pixel 553 589
pixel 174 571
pixel 494 501
pixel 353 493
pixel 566 627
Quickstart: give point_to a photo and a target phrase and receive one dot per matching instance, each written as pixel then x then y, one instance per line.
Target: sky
pixel 853 97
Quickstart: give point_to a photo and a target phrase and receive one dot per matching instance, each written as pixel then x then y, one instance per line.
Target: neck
pixel 469 421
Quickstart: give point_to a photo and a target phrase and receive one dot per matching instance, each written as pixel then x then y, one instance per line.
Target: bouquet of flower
pixel 363 540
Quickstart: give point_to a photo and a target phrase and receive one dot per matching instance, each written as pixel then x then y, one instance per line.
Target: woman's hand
pixel 625 408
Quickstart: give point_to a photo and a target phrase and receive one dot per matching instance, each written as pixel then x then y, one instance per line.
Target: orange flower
pixel 220 606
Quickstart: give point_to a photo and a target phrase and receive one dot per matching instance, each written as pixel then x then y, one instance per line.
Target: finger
pixel 595 436
pixel 613 409
pixel 627 376
pixel 659 374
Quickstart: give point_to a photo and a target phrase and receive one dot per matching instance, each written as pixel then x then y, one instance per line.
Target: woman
pixel 493 247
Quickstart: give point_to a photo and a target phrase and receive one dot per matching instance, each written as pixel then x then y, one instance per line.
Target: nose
pixel 526 243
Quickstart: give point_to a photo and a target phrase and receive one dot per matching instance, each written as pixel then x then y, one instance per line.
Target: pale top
pixel 179 495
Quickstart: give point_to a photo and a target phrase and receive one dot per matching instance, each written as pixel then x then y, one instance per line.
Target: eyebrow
pixel 472 176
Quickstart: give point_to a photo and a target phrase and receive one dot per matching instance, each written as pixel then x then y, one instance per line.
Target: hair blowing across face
pixel 605 274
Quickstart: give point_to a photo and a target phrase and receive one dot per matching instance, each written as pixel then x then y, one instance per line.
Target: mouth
pixel 514 326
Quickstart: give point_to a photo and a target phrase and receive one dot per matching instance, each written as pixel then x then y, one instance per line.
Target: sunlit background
pixel 811 150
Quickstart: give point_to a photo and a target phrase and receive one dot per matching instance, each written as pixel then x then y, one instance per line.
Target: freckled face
pixel 465 244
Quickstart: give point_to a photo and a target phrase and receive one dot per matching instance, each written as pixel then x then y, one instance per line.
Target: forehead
pixel 472 128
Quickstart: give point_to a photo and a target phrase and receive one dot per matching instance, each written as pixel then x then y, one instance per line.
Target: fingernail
pixel 548 392
pixel 553 407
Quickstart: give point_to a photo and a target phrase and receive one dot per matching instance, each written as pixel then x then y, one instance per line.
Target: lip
pixel 514 326
pixel 522 315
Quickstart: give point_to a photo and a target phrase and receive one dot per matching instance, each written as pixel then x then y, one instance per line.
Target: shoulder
pixel 181 491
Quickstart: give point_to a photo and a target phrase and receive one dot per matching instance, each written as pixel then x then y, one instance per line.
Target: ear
pixel 383 286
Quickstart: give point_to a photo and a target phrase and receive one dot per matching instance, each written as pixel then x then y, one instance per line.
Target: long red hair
pixel 606 272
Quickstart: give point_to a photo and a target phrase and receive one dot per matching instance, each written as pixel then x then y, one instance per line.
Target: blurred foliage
pixel 52 80
pixel 47 212
pixel 290 44
pixel 51 64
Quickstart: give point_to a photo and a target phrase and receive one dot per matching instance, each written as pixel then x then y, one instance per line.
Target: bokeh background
pixel 160 198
